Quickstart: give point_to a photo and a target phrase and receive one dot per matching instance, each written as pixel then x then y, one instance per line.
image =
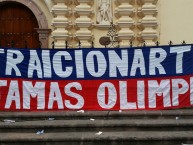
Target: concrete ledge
pixel 91 136
pixel 105 125
pixel 99 114
pixel 119 128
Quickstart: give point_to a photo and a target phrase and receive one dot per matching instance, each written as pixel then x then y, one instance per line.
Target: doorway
pixel 17 26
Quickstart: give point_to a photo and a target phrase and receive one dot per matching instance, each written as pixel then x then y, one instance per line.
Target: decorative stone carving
pixel 60 22
pixel 148 24
pixel 125 19
pixel 104 12
pixel 83 22
pixel 125 22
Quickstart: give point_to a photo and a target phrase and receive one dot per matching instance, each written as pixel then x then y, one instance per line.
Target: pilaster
pixel 60 22
pixel 43 36
pixel 148 22
pixel 125 21
pixel 84 22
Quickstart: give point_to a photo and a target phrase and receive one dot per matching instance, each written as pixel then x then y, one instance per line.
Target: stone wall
pixel 85 21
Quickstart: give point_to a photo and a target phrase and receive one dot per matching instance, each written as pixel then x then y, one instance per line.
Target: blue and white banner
pixel 96 79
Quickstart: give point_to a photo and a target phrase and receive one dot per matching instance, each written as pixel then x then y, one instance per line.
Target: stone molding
pixel 148 23
pixel 49 4
pixel 60 23
pixel 125 21
pixel 136 21
pixel 84 22
pixel 43 36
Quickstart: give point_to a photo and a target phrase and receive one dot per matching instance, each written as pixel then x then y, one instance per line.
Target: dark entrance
pixel 17 26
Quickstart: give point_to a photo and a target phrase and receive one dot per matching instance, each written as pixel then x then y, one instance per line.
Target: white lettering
pixel 124 104
pixel 179 86
pixel 46 63
pixel 179 58
pixel 101 63
pixel 138 62
pixel 58 65
pixel 34 65
pixel 79 64
pixel 155 62
pixel 191 90
pixel 55 95
pixel 14 57
pixel 112 95
pixel 38 90
pixel 162 89
pixel 13 95
pixel 117 63
pixel 78 97
pixel 141 94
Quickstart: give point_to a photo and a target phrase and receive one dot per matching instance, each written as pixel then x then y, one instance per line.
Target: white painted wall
pixel 175 21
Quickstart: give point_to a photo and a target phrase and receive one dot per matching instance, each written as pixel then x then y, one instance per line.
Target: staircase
pixel 167 127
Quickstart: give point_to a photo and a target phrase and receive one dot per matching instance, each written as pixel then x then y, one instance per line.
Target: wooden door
pixel 17 24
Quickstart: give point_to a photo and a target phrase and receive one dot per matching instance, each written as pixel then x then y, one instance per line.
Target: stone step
pixel 106 138
pixel 167 114
pixel 96 125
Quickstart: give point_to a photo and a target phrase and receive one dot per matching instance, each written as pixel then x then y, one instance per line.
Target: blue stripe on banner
pixel 93 64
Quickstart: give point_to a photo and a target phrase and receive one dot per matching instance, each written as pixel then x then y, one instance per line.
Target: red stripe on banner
pixel 130 94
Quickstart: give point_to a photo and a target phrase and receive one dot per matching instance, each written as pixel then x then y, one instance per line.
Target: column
pixel 148 22
pixel 43 36
pixel 60 22
pixel 84 22
pixel 123 12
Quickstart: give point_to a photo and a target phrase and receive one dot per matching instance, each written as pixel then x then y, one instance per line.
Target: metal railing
pixel 12 44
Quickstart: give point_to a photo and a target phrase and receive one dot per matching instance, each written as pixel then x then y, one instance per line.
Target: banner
pixel 151 78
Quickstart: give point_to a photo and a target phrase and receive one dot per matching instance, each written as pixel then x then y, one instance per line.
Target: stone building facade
pixel 86 21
